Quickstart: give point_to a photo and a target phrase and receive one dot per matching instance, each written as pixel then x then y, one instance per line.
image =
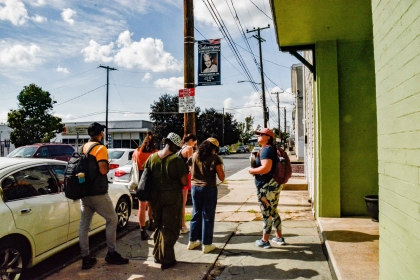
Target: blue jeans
pixel 204 210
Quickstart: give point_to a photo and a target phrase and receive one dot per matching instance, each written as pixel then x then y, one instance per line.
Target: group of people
pixel 175 170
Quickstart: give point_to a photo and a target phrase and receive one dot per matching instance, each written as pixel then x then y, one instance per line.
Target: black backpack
pixel 76 187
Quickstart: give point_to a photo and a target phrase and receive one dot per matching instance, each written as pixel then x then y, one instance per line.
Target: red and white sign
pixel 186 99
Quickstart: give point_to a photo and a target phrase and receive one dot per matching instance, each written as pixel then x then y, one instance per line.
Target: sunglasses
pixel 261 134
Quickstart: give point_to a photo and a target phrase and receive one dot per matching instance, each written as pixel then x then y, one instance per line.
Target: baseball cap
pixel 174 138
pixel 95 129
pixel 265 130
pixel 213 141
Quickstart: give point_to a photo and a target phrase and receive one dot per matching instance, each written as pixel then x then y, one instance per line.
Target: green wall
pixel 347 129
pixel 358 125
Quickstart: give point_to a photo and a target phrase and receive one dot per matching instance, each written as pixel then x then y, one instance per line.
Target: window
pixel 29 182
pixel 115 154
pixel 59 172
pixel 42 152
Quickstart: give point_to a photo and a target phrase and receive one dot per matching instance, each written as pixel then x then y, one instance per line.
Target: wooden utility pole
pixel 189 118
pixel 260 40
pixel 278 111
pixel 285 120
pixel 107 98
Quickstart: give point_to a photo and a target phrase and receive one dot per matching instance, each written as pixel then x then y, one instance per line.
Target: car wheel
pixel 123 213
pixel 14 256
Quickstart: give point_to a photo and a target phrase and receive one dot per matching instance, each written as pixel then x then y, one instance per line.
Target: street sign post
pixel 186 101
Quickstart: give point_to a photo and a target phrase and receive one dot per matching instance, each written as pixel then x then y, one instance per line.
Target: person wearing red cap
pixel 268 190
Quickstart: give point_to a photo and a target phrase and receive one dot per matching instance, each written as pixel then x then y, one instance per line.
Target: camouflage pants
pixel 268 198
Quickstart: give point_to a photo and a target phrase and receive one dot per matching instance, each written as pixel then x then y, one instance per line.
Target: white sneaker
pixel 185 230
pixel 208 248
pixel 192 244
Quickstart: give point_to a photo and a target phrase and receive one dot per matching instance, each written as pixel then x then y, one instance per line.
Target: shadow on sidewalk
pixel 349 236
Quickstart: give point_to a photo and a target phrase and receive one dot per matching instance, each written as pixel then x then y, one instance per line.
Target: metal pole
pixel 223 127
pixel 189 118
pixel 278 114
pixel 106 113
pixel 284 119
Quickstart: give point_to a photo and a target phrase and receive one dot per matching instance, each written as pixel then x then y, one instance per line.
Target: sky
pixel 59 45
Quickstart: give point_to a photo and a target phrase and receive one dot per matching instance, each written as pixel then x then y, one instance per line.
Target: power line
pixel 78 96
pixel 260 10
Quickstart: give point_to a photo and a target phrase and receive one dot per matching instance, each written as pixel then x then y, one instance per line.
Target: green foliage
pixel 284 135
pixel 246 129
pixel 32 121
pixel 210 122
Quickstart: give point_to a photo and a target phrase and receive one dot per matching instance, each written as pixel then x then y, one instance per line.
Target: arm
pixel 103 167
pixel 184 180
pixel 220 172
pixel 265 167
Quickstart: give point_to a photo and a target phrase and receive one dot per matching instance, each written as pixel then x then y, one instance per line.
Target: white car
pixel 37 220
pixel 122 173
pixel 118 157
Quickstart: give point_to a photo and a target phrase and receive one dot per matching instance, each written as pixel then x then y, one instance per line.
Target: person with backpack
pixel 140 155
pixel 268 189
pixel 97 199
pixel 169 176
pixel 188 143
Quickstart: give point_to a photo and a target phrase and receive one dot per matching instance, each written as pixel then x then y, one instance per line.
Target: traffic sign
pixel 186 99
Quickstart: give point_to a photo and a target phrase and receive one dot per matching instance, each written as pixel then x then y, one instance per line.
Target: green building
pixel 363 99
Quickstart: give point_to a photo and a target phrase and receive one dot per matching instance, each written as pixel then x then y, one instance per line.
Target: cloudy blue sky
pixel 58 45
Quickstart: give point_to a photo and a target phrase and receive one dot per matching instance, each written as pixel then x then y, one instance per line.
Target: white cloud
pixel 172 84
pixel 19 55
pixel 36 3
pixel 148 53
pixel 146 77
pixel 67 15
pixel 62 70
pixel 13 10
pixel 38 18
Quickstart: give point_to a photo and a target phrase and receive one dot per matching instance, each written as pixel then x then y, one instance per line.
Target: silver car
pixel 118 157
pixel 37 220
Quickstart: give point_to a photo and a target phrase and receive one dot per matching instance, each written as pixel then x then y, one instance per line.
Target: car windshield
pixel 25 152
pixel 115 154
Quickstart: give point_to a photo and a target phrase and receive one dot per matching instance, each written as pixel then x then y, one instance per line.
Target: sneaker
pixel 279 241
pixel 115 258
pixel 263 244
pixel 192 244
pixel 185 230
pixel 208 248
pixel 144 235
pixel 88 262
pixel 168 265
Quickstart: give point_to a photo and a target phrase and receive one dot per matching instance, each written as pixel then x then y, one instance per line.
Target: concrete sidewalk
pixel 238 225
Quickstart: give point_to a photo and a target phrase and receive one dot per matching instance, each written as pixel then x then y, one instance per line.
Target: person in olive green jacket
pixel 169 176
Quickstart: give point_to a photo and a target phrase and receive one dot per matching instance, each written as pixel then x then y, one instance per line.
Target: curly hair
pixel 149 143
pixel 205 150
pixel 188 137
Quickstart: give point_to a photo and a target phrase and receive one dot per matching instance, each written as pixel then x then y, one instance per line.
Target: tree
pixel 165 116
pixel 247 130
pixel 210 125
pixel 32 121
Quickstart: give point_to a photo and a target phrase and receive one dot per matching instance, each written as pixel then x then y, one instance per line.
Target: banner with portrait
pixel 209 62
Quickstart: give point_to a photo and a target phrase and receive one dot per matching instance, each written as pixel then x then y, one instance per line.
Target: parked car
pixel 44 150
pixel 223 151
pixel 241 149
pixel 37 220
pixel 122 176
pixel 118 157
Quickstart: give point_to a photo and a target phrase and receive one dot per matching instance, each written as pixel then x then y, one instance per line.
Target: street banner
pixel 209 62
pixel 186 99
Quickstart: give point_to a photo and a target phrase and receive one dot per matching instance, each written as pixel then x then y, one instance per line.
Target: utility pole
pixel 223 127
pixel 258 37
pixel 284 119
pixel 189 118
pixel 278 112
pixel 107 98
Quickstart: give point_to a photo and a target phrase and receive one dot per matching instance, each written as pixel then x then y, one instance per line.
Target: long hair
pixel 205 150
pixel 149 143
pixel 188 137
pixel 271 141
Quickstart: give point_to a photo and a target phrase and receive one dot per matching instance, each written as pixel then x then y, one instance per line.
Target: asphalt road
pixel 233 163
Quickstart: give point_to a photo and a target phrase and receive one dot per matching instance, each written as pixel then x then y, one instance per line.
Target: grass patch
pixel 252 211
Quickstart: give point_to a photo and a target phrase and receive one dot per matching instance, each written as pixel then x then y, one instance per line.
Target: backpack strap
pixel 91 147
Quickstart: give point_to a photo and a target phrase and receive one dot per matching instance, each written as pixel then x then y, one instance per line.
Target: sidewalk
pixel 238 225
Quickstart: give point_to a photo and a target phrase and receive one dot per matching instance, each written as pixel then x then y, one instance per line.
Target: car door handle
pixel 25 211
